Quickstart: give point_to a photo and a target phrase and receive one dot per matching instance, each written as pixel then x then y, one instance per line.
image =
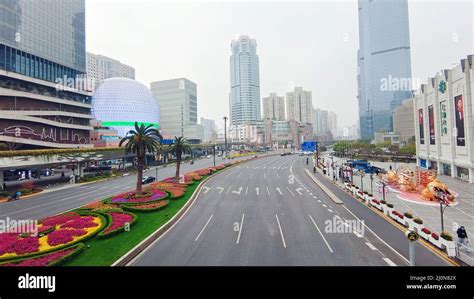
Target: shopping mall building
pixel 444 122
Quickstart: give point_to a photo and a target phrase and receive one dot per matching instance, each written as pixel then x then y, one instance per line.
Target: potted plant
pixel 434 239
pixel 447 242
pixel 425 233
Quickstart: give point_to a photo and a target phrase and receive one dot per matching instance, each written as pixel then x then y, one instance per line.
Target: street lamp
pixel 371 183
pixel 214 153
pixel 442 199
pixel 362 174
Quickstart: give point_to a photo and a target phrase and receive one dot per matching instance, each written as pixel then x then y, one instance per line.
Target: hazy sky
pixel 311 44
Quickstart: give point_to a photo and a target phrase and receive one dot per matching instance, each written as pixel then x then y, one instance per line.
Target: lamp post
pixel 362 174
pixel 442 199
pixel 214 153
pixel 372 183
pixel 225 135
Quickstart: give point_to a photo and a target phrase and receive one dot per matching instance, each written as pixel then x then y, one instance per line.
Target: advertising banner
pixel 459 117
pixel 420 126
pixel 443 108
pixel 431 124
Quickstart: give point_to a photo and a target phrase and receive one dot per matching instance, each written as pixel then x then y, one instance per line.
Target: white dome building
pixel 120 102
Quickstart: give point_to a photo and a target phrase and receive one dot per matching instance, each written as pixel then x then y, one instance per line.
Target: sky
pixel 312 44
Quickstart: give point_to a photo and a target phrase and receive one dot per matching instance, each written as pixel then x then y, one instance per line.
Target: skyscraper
pixel 299 105
pixel 42 54
pixel 274 107
pixel 244 95
pixel 177 100
pixel 383 59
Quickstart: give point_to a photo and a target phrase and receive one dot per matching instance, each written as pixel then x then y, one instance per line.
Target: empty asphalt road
pixel 268 212
pixel 54 202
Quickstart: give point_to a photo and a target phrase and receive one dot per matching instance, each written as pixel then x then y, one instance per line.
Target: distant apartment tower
pixel 209 127
pixel 42 54
pixel 299 105
pixel 244 98
pixel 332 122
pixel 383 60
pixel 177 100
pixel 320 121
pixel 404 123
pixel 101 67
pixel 274 107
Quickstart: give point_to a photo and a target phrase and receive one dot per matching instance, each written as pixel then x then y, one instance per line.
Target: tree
pixel 409 149
pixel 140 141
pixel 179 147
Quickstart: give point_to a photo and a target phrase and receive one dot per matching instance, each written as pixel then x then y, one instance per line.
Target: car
pixel 148 179
pixel 209 156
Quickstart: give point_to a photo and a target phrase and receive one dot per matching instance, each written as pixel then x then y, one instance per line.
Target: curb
pixel 324 188
pixel 143 245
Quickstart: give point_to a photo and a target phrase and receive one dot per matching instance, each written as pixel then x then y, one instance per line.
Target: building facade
pixel 244 97
pixel 320 120
pixel 120 102
pixel 42 58
pixel 299 105
pixel 101 67
pixel 444 122
pixel 209 129
pixel 383 63
pixel 274 107
pixel 403 122
pixel 177 100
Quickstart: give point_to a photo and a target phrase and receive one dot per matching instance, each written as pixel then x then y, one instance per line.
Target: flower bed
pixel 50 259
pixel 117 223
pixel 187 180
pixel 151 207
pixel 131 197
pixel 175 189
pixel 55 233
pixel 192 176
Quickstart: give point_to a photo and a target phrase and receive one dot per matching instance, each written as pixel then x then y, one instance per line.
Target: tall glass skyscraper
pixel 42 53
pixel 244 82
pixel 383 60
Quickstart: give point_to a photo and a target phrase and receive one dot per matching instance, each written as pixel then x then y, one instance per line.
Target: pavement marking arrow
pixel 206 189
pixel 257 190
pixel 220 188
pixel 279 191
pixel 299 191
pixel 237 192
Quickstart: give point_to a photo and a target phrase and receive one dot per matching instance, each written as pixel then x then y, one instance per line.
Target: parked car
pixel 148 179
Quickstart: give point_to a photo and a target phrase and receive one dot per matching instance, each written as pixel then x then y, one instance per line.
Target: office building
pixel 101 67
pixel 274 107
pixel 177 100
pixel 404 123
pixel 244 97
pixel 299 105
pixel 383 60
pixel 444 118
pixel 320 120
pixel 43 103
pixel 209 127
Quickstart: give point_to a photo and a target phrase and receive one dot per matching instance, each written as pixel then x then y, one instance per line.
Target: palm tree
pixel 179 147
pixel 140 141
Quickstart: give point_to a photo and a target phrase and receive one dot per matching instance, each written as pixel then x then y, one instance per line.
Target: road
pixel 54 202
pixel 268 212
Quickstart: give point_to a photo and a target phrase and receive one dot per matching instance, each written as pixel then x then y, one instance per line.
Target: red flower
pixel 426 231
pixel 435 236
pixel 64 236
pixel 118 220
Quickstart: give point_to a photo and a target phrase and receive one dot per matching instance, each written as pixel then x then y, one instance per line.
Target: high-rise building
pixel 403 122
pixel 332 122
pixel 383 59
pixel 177 100
pixel 299 105
pixel 209 126
pixel 101 67
pixel 244 97
pixel 274 107
pixel 42 62
pixel 320 121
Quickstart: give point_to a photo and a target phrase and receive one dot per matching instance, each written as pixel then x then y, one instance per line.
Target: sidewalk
pixel 461 214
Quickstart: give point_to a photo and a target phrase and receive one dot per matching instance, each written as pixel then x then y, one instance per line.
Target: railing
pixel 46 109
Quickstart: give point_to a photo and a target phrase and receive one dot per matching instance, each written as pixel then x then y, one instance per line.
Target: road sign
pixel 412 236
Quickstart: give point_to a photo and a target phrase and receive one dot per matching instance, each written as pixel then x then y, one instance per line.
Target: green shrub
pixel 383 202
pixel 4 193
pixel 418 220
pixel 390 205
pixel 408 215
pixel 446 236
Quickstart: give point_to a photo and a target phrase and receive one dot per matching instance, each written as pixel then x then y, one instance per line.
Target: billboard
pixel 420 126
pixel 443 110
pixel 309 146
pixel 431 124
pixel 459 117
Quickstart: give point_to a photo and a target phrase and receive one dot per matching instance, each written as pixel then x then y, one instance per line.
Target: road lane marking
pixel 319 201
pixel 220 188
pixel 202 230
pixel 257 190
pixel 315 197
pixel 277 175
pixel 206 189
pixel 251 175
pixel 246 190
pixel 325 206
pixel 227 191
pixel 371 246
pixel 299 191
pixel 264 175
pixel 331 211
pixel 389 262
pixel 240 228
pixel 325 241
pixel 268 191
pixel 279 191
pixel 290 191
pixel 281 231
